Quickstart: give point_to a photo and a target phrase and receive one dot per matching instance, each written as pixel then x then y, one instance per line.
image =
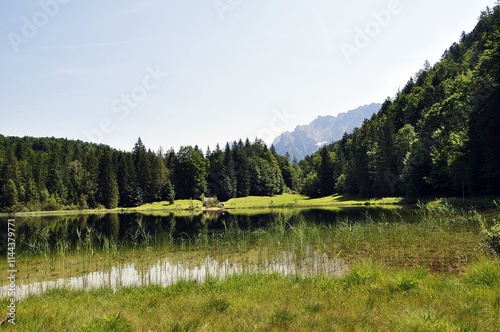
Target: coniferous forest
pixel 439 136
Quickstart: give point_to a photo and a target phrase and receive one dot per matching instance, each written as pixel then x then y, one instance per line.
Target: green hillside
pixel 438 136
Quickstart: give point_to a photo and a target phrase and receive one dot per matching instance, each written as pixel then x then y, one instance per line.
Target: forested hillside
pixel 440 135
pixel 50 173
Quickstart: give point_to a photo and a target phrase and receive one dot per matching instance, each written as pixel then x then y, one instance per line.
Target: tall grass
pixel 434 238
pixel 368 298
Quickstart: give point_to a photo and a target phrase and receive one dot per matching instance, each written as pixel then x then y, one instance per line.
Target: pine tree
pixel 228 182
pixel 326 172
pixel 9 195
pixel 241 168
pixel 143 170
pixel 190 173
pixel 108 186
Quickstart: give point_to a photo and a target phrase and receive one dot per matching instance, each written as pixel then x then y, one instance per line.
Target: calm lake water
pixel 132 229
pixel 45 241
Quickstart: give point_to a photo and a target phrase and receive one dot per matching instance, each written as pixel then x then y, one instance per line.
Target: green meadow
pixel 283 200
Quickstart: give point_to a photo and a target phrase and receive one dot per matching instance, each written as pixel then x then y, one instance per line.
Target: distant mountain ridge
pixel 307 139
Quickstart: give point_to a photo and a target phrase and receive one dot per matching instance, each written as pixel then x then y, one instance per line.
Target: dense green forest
pixel 438 136
pixel 50 173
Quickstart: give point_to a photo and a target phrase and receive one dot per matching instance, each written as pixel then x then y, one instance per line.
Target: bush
pixel 493 238
pixel 51 204
pixel 210 202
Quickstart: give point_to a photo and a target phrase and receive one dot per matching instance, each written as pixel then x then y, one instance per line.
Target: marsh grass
pixel 427 272
pixel 217 305
pixel 369 298
pixel 113 323
pixel 437 238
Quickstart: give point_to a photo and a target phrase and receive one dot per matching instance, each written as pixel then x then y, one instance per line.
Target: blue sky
pixel 208 71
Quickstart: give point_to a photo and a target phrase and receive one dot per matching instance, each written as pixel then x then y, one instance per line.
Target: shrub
pixel 493 238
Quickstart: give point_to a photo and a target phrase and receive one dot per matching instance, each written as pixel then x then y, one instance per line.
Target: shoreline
pixel 284 201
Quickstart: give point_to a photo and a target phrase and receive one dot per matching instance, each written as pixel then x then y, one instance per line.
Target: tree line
pixel 438 136
pixel 50 173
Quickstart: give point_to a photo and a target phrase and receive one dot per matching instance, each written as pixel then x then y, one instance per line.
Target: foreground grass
pixel 368 297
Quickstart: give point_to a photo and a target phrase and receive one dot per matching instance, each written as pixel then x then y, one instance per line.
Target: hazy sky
pixel 199 72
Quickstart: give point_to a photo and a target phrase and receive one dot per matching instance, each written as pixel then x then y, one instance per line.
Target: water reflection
pixel 51 236
pixel 36 235
pixel 165 273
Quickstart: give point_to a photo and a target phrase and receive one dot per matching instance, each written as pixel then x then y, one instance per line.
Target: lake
pixel 89 251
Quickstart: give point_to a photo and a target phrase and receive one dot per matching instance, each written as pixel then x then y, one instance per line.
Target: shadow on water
pixel 133 249
pixel 36 235
pixel 50 238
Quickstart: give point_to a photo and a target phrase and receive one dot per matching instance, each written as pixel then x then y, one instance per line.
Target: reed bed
pixel 430 269
pixel 436 238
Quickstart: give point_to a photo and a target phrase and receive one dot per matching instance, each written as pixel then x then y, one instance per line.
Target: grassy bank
pixel 266 202
pixel 189 206
pixel 296 200
pixel 368 297
pixel 263 204
pixel 467 203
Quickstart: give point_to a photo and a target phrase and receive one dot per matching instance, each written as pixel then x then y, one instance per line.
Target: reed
pixel 436 239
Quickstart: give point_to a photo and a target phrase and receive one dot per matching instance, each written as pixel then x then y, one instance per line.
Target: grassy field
pixel 368 298
pixel 296 200
pixel 265 202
